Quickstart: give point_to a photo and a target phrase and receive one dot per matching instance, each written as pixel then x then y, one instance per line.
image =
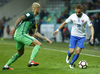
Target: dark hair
pixel 79 6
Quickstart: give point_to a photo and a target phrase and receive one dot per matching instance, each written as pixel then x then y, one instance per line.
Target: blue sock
pixel 69 55
pixel 75 57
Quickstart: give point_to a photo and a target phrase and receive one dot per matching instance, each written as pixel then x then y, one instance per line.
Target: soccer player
pixel 22 25
pixel 79 21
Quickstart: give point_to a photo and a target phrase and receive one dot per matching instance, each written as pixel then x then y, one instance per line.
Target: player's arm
pixel 42 37
pixel 92 32
pixel 92 29
pixel 61 26
pixel 16 24
pixel 23 17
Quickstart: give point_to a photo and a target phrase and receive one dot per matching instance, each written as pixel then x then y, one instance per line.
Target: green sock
pixel 34 52
pixel 13 59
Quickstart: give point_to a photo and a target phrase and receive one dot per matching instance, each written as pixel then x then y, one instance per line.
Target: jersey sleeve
pixel 89 22
pixel 68 19
pixel 28 15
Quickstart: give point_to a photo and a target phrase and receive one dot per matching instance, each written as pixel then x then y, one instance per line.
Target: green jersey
pixel 26 24
pixel 20 35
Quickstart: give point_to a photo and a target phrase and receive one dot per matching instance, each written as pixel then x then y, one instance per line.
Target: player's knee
pixel 71 51
pixel 21 53
pixel 77 52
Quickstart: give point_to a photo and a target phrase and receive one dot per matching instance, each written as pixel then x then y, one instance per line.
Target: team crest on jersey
pixel 82 21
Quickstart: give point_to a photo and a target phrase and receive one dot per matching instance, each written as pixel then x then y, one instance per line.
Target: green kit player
pixel 20 30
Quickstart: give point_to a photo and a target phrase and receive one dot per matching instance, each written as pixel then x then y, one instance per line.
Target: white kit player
pixel 79 21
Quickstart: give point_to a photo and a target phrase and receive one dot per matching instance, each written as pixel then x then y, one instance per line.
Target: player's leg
pixel 80 46
pixel 76 55
pixel 37 45
pixel 31 41
pixel 70 52
pixel 72 44
pixel 13 59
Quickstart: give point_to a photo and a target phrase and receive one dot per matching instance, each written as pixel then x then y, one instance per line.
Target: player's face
pixel 37 11
pixel 78 12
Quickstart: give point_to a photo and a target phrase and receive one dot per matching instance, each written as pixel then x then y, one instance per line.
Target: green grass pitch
pixel 51 59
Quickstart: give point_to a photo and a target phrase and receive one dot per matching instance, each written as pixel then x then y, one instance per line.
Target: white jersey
pixel 79 24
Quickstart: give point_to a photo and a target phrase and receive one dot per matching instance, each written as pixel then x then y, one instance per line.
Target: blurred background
pixel 52 14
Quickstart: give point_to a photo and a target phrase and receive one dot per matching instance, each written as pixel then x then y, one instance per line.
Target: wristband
pixel 57 30
pixel 15 27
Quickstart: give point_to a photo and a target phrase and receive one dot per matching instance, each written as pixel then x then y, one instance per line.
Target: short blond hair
pixel 35 5
pixel 78 6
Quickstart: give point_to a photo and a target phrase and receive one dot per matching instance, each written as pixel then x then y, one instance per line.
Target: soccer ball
pixel 83 64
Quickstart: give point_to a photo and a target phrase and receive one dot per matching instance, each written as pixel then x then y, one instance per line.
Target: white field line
pixel 60 50
pixel 48 48
pixel 67 51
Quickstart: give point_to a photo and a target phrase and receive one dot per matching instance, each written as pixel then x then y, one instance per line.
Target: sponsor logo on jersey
pixel 27 14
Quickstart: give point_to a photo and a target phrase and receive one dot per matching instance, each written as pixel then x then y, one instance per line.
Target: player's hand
pixel 12 32
pixel 55 32
pixel 49 41
pixel 91 40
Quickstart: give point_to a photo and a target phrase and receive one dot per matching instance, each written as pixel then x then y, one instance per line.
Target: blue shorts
pixel 76 40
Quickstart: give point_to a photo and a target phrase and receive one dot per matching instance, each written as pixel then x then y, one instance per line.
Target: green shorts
pixel 22 40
